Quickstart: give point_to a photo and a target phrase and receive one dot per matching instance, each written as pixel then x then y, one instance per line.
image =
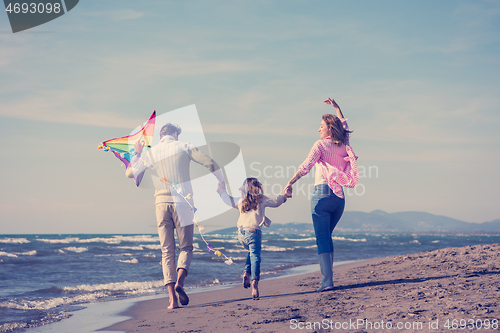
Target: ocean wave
pixel 13 326
pixel 222 235
pixel 234 250
pixel 300 239
pixel 46 319
pixel 109 241
pixel 27 253
pixel 85 294
pixel 415 241
pixel 16 254
pixel 14 241
pixel 125 286
pixel 349 239
pixel 73 249
pixel 153 246
pixel 6 254
pixel 117 239
pixel 239 258
pixel 138 238
pixel 130 261
pixel 47 304
pixel 197 249
pixel 138 248
pixel 68 240
pixel 222 240
pixel 113 255
pixel 59 241
pixel 272 248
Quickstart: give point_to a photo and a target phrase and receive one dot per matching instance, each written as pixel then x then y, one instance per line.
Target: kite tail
pixel 217 252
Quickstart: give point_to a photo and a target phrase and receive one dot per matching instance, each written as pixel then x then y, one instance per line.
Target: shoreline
pixel 430 289
pixel 96 316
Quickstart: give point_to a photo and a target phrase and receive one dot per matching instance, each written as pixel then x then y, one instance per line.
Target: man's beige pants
pixel 167 220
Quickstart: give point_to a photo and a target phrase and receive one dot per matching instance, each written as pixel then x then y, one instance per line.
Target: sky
pixel 419 82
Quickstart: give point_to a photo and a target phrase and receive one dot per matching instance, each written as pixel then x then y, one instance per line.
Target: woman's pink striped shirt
pixel 338 164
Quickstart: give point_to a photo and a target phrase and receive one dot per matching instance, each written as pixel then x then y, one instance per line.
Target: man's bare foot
pixel 179 286
pixel 255 289
pixel 183 298
pixel 246 280
pixel 172 297
pixel 173 303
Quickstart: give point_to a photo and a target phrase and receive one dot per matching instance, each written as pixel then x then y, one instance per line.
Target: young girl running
pixel 251 206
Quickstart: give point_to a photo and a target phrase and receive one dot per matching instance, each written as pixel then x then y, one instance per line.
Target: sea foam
pixel 349 239
pixel 73 249
pixel 130 261
pixel 14 241
pixel 6 254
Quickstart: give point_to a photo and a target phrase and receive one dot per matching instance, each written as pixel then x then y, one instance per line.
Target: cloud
pixel 118 15
pixel 394 155
pixel 13 47
pixel 59 107
pixel 255 129
pixel 104 84
pixel 160 64
pixel 7 55
pixel 125 14
pixel 422 111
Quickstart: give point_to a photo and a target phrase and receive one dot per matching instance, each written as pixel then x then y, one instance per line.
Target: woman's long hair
pixel 252 192
pixel 338 134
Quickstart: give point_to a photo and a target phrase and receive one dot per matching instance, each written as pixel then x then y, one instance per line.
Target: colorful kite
pixel 123 148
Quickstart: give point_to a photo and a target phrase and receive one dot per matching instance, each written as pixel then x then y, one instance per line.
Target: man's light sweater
pixel 170 160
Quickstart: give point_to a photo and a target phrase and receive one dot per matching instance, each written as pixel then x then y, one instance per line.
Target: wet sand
pixel 424 292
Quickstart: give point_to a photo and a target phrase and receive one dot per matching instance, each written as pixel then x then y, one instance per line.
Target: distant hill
pixel 380 221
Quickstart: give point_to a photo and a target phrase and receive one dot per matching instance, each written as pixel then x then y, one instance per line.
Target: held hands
pixel 287 192
pixel 221 187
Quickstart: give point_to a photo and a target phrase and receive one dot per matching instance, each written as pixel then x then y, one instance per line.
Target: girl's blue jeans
pixel 326 210
pixel 251 241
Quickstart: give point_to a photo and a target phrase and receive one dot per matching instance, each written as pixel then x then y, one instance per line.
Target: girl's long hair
pixel 338 134
pixel 252 192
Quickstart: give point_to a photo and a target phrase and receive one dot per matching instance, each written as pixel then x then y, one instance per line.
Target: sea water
pixel 46 278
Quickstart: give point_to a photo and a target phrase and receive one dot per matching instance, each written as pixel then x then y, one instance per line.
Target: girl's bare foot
pixel 246 280
pixel 255 289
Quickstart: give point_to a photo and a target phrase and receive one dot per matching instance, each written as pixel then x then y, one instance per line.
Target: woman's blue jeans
pixel 326 210
pixel 251 241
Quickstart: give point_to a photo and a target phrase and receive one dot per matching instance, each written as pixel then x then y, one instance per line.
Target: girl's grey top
pixel 255 218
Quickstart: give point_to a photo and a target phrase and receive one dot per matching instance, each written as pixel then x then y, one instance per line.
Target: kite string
pixel 209 247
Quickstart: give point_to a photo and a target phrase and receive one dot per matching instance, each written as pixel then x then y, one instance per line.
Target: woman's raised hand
pixel 332 103
pixel 336 107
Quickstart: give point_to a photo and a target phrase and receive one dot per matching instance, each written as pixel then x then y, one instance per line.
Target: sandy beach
pixel 434 291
